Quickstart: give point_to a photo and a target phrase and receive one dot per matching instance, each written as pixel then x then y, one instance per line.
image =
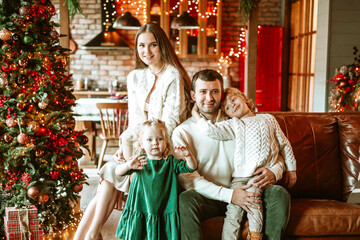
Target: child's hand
pixel 195 112
pixel 290 178
pixel 136 162
pixel 183 151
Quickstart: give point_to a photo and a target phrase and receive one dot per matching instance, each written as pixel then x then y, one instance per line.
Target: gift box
pixel 13 213
pixel 12 226
pixel 34 235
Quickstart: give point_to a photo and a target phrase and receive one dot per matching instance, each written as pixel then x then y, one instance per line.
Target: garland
pixel 74 7
pixel 245 8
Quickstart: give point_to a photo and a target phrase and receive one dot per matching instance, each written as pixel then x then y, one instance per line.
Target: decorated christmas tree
pixel 38 145
pixel 345 91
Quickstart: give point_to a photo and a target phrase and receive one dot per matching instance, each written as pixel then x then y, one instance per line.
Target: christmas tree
pixel 345 92
pixel 38 145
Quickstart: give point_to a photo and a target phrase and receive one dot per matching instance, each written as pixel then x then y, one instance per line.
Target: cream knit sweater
pixel 167 101
pixel 259 141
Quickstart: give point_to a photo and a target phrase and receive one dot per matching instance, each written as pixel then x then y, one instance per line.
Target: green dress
pixel 151 210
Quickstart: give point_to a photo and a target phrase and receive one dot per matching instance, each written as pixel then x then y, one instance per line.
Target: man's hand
pixel 265 179
pixel 246 199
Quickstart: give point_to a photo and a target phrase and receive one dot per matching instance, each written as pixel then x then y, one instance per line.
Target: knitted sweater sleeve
pixel 135 114
pixel 222 131
pixel 284 147
pixel 174 103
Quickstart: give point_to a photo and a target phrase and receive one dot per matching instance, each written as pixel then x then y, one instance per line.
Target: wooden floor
pixel 108 231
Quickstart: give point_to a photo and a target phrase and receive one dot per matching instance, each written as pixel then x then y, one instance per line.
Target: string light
pixel 227 60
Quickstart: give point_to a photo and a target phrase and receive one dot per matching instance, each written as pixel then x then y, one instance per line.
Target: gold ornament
pixel 5 34
pixel 33 192
pixel 3 79
pixel 42 104
pixel 7 137
pixel 23 62
pixel 10 122
pixel 34 126
pixel 39 153
pixel 22 138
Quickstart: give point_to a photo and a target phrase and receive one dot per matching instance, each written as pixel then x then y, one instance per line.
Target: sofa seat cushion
pixel 323 217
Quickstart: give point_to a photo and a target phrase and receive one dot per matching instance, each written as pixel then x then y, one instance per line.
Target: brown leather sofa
pixel 326 147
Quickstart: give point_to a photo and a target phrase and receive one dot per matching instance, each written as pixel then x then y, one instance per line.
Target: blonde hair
pixel 230 92
pixel 158 124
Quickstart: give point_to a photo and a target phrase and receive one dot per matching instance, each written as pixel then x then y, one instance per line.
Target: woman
pixel 159 87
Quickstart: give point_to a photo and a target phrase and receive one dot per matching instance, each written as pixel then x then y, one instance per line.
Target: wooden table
pixel 95 94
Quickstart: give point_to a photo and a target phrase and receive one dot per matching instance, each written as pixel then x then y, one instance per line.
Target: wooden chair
pixel 114 121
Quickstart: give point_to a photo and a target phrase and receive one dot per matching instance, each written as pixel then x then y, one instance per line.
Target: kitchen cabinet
pixel 203 42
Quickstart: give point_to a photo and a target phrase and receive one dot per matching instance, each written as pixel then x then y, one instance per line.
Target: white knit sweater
pixel 259 141
pixel 167 102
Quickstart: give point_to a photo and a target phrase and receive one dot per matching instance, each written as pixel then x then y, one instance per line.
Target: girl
pixel 151 210
pixel 159 87
pixel 259 141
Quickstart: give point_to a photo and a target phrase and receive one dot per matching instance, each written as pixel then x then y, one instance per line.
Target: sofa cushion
pixel 308 218
pixel 315 142
pixel 320 217
pixel 349 139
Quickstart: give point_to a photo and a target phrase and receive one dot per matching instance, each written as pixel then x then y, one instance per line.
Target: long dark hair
pixel 168 54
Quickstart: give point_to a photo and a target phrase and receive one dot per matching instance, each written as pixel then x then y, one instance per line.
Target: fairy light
pixel 138 6
pixel 227 60
pixel 109 9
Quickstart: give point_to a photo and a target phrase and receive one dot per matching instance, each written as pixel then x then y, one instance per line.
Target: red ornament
pixel 22 138
pixel 42 131
pixel 77 187
pixel 43 197
pixel 33 192
pixel 5 67
pixel 68 159
pixel 54 174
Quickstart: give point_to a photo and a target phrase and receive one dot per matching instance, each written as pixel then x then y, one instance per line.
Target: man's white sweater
pixel 215 162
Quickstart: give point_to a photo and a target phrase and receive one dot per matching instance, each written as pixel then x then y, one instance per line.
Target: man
pixel 207 190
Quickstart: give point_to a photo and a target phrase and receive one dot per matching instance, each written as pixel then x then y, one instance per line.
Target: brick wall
pixel 106 66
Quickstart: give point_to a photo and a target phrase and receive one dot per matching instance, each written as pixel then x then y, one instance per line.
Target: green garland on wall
pixel 74 7
pixel 245 8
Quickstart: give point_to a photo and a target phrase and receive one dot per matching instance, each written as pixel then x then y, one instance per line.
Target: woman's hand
pixel 118 156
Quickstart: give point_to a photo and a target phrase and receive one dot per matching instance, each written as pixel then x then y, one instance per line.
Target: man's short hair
pixel 207 75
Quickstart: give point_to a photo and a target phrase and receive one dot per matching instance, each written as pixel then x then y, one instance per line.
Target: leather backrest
pixel 325 146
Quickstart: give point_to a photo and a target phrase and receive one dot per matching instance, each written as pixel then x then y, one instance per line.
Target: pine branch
pixel 245 8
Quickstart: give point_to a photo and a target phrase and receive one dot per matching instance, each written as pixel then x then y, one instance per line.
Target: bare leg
pixel 86 220
pixel 107 196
